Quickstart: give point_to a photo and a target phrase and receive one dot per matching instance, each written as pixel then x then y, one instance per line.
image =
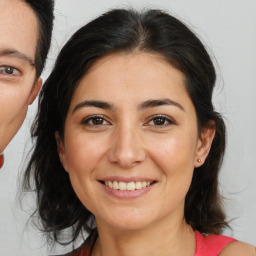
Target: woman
pixel 127 139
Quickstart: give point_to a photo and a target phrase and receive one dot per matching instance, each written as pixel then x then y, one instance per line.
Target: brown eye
pixel 95 121
pixel 160 121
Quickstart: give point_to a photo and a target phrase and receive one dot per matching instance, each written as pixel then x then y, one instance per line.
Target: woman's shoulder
pixel 238 248
pixel 213 245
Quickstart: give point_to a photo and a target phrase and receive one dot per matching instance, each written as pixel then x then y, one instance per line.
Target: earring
pixel 199 160
pixel 1 160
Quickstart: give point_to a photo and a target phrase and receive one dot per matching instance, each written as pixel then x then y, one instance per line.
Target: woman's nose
pixel 127 148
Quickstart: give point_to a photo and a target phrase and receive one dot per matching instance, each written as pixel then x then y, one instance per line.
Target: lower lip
pixel 127 194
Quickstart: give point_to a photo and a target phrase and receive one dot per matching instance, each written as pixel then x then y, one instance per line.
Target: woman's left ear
pixel 35 90
pixel 61 151
pixel 204 145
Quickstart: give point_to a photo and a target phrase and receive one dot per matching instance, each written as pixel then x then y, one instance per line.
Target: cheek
pixel 83 153
pixel 13 105
pixel 11 101
pixel 174 151
pixel 13 108
pixel 174 155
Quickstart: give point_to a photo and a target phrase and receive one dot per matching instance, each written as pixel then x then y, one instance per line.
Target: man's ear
pixel 204 145
pixel 35 90
pixel 61 150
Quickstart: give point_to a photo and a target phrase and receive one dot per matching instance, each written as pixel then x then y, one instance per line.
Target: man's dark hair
pixel 44 13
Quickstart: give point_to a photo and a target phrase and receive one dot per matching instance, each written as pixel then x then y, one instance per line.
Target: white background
pixel 228 28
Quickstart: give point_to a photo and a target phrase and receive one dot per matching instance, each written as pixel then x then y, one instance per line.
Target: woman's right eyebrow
pixel 93 103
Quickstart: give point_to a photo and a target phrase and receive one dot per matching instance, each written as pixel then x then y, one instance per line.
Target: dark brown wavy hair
pixel 127 31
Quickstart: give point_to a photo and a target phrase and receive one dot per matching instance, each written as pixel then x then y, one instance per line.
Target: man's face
pixel 18 85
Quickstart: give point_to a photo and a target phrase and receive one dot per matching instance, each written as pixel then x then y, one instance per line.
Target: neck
pixel 160 239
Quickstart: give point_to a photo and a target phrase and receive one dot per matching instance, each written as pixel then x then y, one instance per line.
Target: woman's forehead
pixel 136 71
pixel 132 79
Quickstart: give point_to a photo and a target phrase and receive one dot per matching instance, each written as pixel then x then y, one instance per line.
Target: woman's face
pixel 131 141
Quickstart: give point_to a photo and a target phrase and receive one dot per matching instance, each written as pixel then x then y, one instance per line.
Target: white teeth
pixel 127 185
pixel 115 185
pixel 122 185
pixel 130 186
pixel 138 185
pixel 109 184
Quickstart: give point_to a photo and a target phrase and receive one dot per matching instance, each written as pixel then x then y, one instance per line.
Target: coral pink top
pixel 211 245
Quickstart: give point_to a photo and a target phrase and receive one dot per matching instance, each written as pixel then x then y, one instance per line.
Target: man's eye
pixel 95 120
pixel 160 121
pixel 8 70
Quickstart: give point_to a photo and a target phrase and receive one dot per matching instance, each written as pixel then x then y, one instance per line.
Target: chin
pixel 131 225
pixel 129 222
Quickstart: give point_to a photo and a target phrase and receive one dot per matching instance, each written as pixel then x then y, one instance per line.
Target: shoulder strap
pixel 211 245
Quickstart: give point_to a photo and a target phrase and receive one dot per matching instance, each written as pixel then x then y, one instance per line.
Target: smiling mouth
pixel 133 185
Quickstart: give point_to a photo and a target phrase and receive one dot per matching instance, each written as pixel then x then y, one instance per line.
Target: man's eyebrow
pixel 159 102
pixel 93 103
pixel 16 54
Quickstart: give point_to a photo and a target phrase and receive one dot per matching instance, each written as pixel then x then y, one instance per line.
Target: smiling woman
pixel 127 136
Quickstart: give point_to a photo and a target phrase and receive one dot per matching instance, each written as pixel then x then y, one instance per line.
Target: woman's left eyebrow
pixel 159 102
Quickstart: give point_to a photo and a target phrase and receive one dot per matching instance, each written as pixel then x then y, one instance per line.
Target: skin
pixel 18 83
pixel 126 136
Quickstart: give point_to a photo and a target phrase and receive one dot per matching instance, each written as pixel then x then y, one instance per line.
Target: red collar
pixel 1 160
